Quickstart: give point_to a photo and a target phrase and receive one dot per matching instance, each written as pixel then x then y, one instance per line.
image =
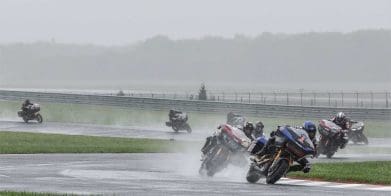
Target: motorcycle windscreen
pixel 330 124
pixel 238 121
pixel 239 134
pixel 298 141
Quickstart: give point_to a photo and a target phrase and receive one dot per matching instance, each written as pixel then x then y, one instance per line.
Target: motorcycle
pixel 179 122
pixel 31 113
pixel 331 138
pixel 356 133
pixel 291 144
pixel 229 149
pixel 235 120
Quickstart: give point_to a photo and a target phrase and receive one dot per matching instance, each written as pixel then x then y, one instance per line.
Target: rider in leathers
pixel 344 122
pixel 25 106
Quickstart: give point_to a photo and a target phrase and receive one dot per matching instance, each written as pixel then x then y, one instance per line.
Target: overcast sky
pixel 117 22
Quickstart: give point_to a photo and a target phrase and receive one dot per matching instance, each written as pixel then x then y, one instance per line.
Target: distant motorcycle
pixel 231 146
pixel 31 113
pixel 178 122
pixel 235 120
pixel 291 144
pixel 356 133
pixel 331 138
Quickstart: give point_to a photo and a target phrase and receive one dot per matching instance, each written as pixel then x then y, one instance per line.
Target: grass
pixel 372 172
pixel 13 193
pixel 30 143
pixel 107 115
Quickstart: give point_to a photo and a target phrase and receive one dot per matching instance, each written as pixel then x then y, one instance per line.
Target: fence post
pixel 371 99
pixel 236 97
pixel 356 99
pixel 314 94
pixel 223 96
pixel 249 97
pixel 275 97
pixel 329 98
pixel 301 97
pixel 342 99
pixel 287 99
pixel 386 99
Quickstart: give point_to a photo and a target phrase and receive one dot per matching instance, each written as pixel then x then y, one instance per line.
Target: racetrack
pixel 151 174
pixel 157 132
pixel 144 174
pixel 161 132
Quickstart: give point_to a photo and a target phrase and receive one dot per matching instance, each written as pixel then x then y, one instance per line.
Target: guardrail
pixel 254 109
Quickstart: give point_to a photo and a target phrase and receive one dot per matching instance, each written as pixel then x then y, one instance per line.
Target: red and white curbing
pixel 334 184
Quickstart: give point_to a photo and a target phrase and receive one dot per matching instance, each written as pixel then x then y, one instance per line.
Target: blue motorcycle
pixel 290 144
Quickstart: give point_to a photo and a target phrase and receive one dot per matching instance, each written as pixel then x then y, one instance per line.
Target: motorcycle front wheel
pixel 215 161
pixel 39 118
pixel 188 128
pixel 277 171
pixel 364 139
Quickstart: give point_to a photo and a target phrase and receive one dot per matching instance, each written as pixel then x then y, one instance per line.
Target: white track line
pixel 334 184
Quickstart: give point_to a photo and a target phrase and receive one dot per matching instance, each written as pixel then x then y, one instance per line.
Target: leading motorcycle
pixel 230 148
pixel 291 144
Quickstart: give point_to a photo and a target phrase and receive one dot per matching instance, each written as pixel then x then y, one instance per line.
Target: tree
pixel 121 93
pixel 202 93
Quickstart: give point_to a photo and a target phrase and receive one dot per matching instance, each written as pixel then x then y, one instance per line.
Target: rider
pixel 25 106
pixel 310 128
pixel 269 148
pixel 248 129
pixel 341 120
pixel 173 114
pixel 211 141
pixel 344 122
pixel 258 131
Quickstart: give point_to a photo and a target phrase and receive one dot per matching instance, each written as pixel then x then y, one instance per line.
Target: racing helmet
pixel 310 128
pixel 248 128
pixel 259 125
pixel 340 117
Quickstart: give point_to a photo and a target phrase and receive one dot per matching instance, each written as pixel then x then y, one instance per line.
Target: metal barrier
pixel 256 109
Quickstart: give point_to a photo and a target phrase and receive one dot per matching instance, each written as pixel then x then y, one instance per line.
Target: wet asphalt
pixel 144 174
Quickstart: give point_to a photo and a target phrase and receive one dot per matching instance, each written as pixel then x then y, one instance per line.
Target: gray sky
pixel 116 22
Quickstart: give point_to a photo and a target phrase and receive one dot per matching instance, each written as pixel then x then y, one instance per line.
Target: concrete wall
pixel 265 110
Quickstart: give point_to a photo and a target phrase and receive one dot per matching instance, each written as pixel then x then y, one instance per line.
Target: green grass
pixel 372 172
pixel 107 115
pixel 29 143
pixel 14 193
